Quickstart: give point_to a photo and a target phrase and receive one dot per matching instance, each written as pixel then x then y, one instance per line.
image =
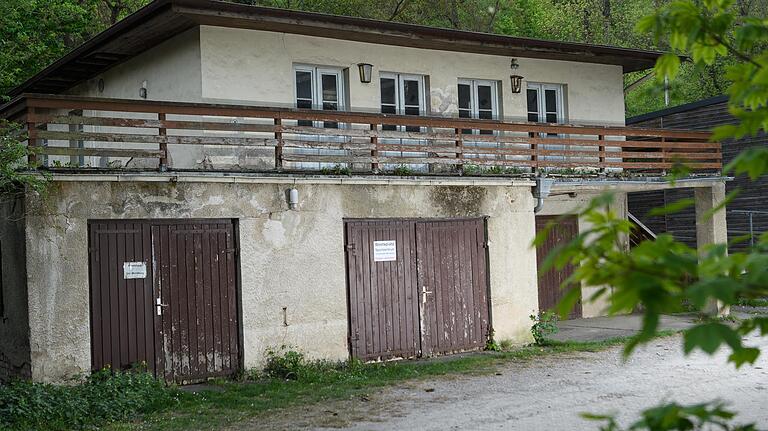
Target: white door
pixel 403 94
pixel 478 99
pixel 545 105
pixel 320 88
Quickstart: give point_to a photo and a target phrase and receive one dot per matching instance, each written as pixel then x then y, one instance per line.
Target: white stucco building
pixel 228 179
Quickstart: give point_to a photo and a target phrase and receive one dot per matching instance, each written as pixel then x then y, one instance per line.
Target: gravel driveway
pixel 547 393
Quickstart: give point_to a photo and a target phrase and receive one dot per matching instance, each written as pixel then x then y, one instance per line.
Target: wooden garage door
pixel 165 292
pixel 550 290
pixel 416 287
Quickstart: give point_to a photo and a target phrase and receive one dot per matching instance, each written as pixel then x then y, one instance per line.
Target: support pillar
pixel 711 228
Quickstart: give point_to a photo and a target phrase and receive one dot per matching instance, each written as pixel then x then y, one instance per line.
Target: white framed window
pixel 545 103
pixel 403 94
pixel 319 88
pixel 478 99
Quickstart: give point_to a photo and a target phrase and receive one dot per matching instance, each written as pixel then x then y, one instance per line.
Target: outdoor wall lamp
pixel 517 83
pixel 293 199
pixel 366 72
pixel 517 80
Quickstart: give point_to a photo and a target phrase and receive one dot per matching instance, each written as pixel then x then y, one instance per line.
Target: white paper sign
pixel 134 270
pixel 384 251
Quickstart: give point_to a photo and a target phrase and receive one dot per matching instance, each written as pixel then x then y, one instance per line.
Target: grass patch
pixel 291 380
pixel 101 398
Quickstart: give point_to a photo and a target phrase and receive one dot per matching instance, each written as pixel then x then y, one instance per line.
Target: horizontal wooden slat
pixel 102 152
pixel 358 137
pixel 184 108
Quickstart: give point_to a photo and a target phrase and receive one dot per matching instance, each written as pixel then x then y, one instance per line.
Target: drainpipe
pixel 541 191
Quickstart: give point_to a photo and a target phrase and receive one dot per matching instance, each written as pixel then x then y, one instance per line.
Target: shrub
pixel 544 325
pixel 103 397
pixel 284 363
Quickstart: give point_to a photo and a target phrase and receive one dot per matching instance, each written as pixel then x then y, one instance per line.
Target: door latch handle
pixel 159 304
pixel 424 293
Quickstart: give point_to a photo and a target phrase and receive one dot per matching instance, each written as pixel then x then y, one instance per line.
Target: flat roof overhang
pixel 164 19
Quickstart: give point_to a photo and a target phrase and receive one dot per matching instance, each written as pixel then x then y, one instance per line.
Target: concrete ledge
pixel 561 184
pixel 203 177
pixel 632 184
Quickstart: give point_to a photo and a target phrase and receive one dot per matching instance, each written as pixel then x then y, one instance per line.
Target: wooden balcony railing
pixel 84 132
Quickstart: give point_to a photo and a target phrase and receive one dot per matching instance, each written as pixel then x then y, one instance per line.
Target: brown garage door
pixel 550 283
pixel 165 292
pixel 416 287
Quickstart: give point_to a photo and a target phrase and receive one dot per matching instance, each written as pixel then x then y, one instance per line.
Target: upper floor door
pixel 320 88
pixel 478 99
pixel 545 103
pixel 403 94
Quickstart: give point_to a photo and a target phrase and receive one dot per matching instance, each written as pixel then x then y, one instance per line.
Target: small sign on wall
pixel 134 270
pixel 384 251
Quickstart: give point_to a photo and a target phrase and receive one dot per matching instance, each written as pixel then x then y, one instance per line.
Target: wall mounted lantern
pixel 517 82
pixel 366 72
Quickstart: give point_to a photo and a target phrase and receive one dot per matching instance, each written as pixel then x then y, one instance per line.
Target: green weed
pixel 102 398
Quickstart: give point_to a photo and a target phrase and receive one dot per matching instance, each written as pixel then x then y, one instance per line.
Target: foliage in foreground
pixel 672 417
pixel 14 169
pixel 661 275
pixel 102 398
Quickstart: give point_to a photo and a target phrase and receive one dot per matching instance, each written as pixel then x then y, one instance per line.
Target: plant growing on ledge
pixel 403 171
pixel 337 170
pixel 15 175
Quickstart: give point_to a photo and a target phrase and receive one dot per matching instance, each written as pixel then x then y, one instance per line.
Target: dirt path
pixel 547 394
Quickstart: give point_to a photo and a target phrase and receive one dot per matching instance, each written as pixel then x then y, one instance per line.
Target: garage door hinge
pixel 349 247
pixel 235 250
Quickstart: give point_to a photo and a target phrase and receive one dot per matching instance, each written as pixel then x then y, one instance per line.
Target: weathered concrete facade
pixel 290 260
pixel 14 318
pixel 275 242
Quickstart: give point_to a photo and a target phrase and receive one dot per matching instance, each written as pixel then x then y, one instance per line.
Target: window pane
pixel 486 115
pixel 387 91
pixel 304 103
pixel 330 106
pixel 412 110
pixel 411 89
pixel 484 100
pixel 465 113
pixel 465 100
pixel 303 85
pixel 330 89
pixel 551 118
pixel 388 109
pixel 550 97
pixel 533 101
pixel 533 117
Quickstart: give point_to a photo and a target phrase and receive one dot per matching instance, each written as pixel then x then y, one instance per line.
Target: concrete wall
pixel 219 64
pixel 256 66
pixel 170 71
pixel 14 319
pixel 288 258
pixel 560 204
